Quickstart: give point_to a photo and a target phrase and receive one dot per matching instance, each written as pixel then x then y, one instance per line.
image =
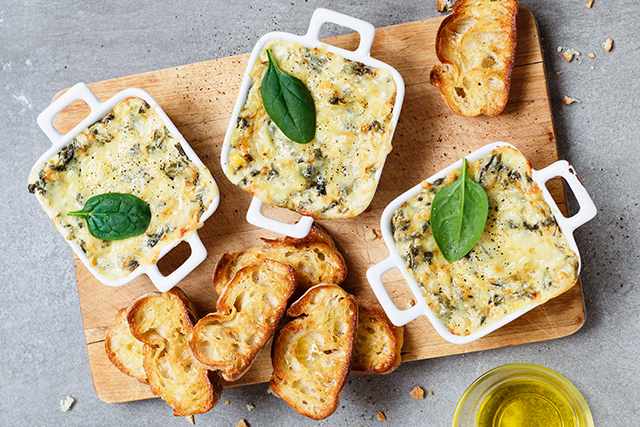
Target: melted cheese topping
pixel 521 260
pixel 129 151
pixel 333 176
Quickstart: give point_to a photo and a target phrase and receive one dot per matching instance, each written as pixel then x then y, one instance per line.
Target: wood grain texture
pixel 199 98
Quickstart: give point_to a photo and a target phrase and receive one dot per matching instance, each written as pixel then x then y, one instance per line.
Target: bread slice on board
pixel 314 258
pixel 311 355
pixel 248 312
pixel 123 350
pixel 163 323
pixel 476 45
pixel 378 341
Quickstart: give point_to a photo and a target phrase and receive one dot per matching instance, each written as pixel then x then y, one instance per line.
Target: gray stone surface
pixel 46 46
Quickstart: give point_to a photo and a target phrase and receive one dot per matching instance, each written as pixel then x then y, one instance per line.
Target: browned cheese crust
pixel 249 310
pixel 311 355
pixel 476 46
pixel 163 322
pixel 123 350
pixel 314 258
pixel 378 341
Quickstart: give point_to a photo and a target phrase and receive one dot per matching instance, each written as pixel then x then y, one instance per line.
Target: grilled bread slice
pixel 311 354
pixel 123 350
pixel 314 258
pixel 249 310
pixel 378 341
pixel 163 323
pixel 476 46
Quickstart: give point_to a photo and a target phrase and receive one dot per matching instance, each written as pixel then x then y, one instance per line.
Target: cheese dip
pixel 333 176
pixel 521 260
pixel 131 151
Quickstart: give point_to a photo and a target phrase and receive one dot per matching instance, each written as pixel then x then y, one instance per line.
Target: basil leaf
pixel 115 216
pixel 288 103
pixel 458 214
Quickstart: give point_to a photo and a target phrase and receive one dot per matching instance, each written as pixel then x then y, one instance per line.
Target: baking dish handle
pixel 565 170
pixel 322 16
pixel 45 119
pixel 257 218
pixel 398 317
pixel 164 283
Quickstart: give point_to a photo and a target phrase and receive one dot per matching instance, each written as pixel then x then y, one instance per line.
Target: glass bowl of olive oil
pixel 522 395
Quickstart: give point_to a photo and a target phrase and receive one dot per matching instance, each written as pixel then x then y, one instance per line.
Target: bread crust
pixel 123 350
pixel 248 312
pixel 378 341
pixel 314 258
pixel 476 45
pixel 311 355
pixel 163 322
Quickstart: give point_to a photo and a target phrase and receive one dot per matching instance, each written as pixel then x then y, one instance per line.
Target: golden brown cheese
pixel 521 260
pixel 129 151
pixel 333 176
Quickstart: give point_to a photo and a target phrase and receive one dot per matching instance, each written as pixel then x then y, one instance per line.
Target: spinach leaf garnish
pixel 458 214
pixel 115 216
pixel 288 103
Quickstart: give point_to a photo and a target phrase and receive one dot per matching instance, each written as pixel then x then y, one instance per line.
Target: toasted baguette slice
pixel 311 354
pixel 314 258
pixel 163 323
pixel 477 46
pixel 249 310
pixel 378 341
pixel 123 350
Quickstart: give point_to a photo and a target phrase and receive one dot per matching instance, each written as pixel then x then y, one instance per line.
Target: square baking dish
pixel 421 308
pixel 99 110
pixel 311 40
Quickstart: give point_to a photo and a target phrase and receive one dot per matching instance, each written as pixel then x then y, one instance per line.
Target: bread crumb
pixel 242 423
pixel 226 402
pixel 381 416
pixel 371 235
pixel 270 391
pixel 431 393
pixel 250 406
pixel 417 392
pixel 559 72
pixel 559 49
pixel 592 67
pixel 443 5
pixel 191 419
pixel 589 4
pixel 608 44
pixel 569 54
pixel 66 403
pixel 591 55
pixel 568 100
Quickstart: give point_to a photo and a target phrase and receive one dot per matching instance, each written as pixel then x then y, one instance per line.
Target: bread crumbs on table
pixel 66 403
pixel 589 4
pixel 608 44
pixel 569 54
pixel 381 416
pixel 431 393
pixel 191 419
pixel 417 392
pixel 250 406
pixel 226 402
pixel 242 423
pixel 568 100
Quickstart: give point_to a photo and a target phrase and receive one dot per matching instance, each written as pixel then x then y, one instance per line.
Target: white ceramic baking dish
pixel 98 110
pixel 311 39
pixel 567 225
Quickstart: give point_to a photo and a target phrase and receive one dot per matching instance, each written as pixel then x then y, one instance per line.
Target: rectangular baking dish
pixel 311 39
pixel 567 225
pixel 98 110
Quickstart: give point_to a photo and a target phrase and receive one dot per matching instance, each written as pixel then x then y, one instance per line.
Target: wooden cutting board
pixel 199 98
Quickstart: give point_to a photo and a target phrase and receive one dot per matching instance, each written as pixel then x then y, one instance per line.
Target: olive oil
pixel 525 402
